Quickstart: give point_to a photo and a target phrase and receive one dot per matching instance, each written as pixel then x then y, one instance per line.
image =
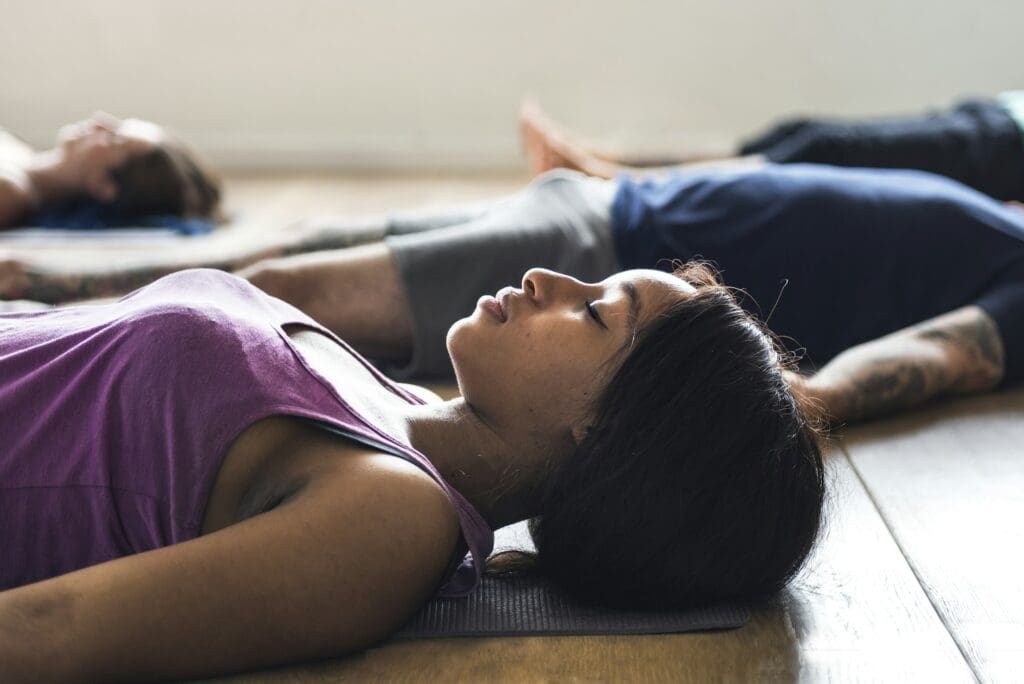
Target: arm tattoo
pixel 55 287
pixel 956 353
pixel 886 388
pixel 978 341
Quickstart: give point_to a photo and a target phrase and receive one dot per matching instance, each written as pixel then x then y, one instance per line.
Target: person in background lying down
pixel 129 167
pixel 893 287
pixel 979 142
pixel 213 472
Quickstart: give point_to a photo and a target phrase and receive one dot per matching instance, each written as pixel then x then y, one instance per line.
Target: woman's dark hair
pixel 169 179
pixel 701 477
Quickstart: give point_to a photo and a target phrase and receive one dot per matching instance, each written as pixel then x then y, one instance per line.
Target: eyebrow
pixel 634 303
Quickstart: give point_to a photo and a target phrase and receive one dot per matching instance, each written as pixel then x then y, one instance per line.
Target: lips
pixel 494 306
pixel 503 302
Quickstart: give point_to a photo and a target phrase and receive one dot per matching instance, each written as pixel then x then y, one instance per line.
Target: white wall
pixel 396 82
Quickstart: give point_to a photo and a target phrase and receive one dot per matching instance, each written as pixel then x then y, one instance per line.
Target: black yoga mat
pixel 533 606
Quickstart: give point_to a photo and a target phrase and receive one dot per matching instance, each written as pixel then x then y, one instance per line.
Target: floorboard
pixel 949 482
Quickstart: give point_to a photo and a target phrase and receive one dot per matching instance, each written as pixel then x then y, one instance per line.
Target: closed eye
pixel 593 314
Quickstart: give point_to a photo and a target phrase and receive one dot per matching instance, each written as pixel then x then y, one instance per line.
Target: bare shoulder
pixel 392 480
pixel 391 499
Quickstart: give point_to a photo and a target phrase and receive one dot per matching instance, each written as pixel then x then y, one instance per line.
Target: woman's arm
pixel 21 280
pixel 959 352
pixel 333 570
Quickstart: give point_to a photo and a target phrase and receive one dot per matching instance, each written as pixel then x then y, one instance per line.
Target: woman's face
pixel 92 149
pixel 538 356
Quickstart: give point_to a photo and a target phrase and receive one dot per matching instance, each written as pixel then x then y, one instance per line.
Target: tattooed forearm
pixel 973 337
pixel 24 281
pixel 956 353
pixel 885 387
pixel 56 287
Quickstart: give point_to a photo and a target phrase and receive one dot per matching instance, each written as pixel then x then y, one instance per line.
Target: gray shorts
pixel 560 221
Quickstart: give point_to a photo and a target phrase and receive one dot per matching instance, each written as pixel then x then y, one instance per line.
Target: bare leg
pixel 549 146
pixel 354 292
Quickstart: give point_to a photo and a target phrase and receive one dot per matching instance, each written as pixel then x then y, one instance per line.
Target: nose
pixel 543 285
pixel 104 120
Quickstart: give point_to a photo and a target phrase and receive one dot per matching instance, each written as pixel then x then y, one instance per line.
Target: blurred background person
pixel 104 172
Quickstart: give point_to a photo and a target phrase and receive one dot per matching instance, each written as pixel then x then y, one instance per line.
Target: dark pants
pixel 977 143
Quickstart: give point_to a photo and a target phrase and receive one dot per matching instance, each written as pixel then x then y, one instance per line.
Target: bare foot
pixel 549 146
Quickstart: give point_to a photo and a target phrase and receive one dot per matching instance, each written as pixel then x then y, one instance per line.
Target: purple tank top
pixel 115 418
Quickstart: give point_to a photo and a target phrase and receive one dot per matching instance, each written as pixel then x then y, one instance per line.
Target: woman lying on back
pixel 125 169
pixel 198 478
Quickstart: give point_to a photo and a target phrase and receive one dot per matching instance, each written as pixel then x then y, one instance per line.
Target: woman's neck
pixel 497 471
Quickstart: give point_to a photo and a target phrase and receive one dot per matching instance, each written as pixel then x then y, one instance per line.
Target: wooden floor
pixel 917 579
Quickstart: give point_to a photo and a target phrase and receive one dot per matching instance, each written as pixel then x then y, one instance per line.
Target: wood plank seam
pixel 913 568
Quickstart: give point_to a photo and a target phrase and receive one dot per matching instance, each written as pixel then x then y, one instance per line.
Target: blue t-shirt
pixel 843 255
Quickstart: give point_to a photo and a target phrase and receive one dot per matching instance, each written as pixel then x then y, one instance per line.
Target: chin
pixel 453 340
pixel 458 341
pixel 466 351
pixel 468 336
